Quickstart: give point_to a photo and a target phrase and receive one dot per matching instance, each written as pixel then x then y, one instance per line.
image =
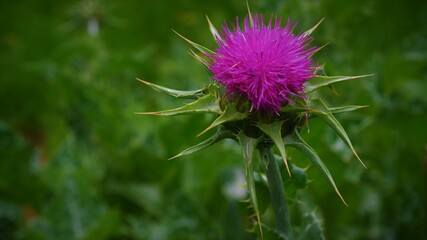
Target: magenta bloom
pixel 267 64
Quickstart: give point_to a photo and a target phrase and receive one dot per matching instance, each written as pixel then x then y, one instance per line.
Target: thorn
pixel 334 91
pixel 195 45
pixel 251 20
pixel 320 48
pixel 176 156
pixel 360 160
pixel 309 31
pixel 306 168
pixel 148 113
pixel 216 33
pixel 204 131
pixel 342 199
pixel 287 167
pixel 144 82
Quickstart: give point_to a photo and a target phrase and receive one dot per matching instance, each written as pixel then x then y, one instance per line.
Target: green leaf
pixel 324 113
pixel 299 105
pixel 195 45
pixel 230 114
pixel 206 104
pixel 321 81
pixel 274 131
pixel 272 233
pixel 248 145
pixel 343 109
pixel 220 135
pixel 294 140
pixel 175 93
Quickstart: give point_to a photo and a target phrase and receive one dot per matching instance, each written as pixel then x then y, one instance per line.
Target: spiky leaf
pixel 229 114
pixel 218 136
pixel 206 104
pixel 175 93
pixel 321 81
pixel 274 131
pixel 324 113
pixel 294 140
pixel 343 109
pixel 298 107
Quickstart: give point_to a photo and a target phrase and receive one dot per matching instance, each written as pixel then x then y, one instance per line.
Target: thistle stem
pixel 277 193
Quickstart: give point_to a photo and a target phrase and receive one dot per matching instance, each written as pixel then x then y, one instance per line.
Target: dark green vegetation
pixel 76 163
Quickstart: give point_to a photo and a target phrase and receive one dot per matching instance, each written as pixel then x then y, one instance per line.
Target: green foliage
pixel 76 163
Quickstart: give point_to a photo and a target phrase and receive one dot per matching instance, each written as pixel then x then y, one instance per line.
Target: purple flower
pixel 266 64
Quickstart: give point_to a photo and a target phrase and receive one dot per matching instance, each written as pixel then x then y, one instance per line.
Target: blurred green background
pixel 77 163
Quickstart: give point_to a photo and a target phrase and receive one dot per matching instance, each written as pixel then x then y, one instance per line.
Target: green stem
pixel 277 193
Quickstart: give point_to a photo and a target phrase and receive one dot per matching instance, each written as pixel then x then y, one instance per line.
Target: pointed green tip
pixel 204 131
pixel 309 31
pixel 358 158
pixel 174 157
pixel 148 113
pixel 251 20
pixel 195 45
pixel 144 82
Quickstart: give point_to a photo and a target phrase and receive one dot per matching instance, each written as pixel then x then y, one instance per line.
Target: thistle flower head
pixel 265 63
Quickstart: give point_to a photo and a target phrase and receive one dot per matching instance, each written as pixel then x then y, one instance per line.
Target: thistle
pixel 263 77
pixel 266 64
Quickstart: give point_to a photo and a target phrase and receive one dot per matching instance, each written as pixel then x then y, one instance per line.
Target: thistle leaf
pixel 206 104
pixel 214 32
pixel 220 135
pixel 294 140
pixel 229 114
pixel 174 93
pixel 195 45
pixel 322 111
pixel 321 81
pixel 274 131
pixel 248 145
pixel 343 109
pixel 299 105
